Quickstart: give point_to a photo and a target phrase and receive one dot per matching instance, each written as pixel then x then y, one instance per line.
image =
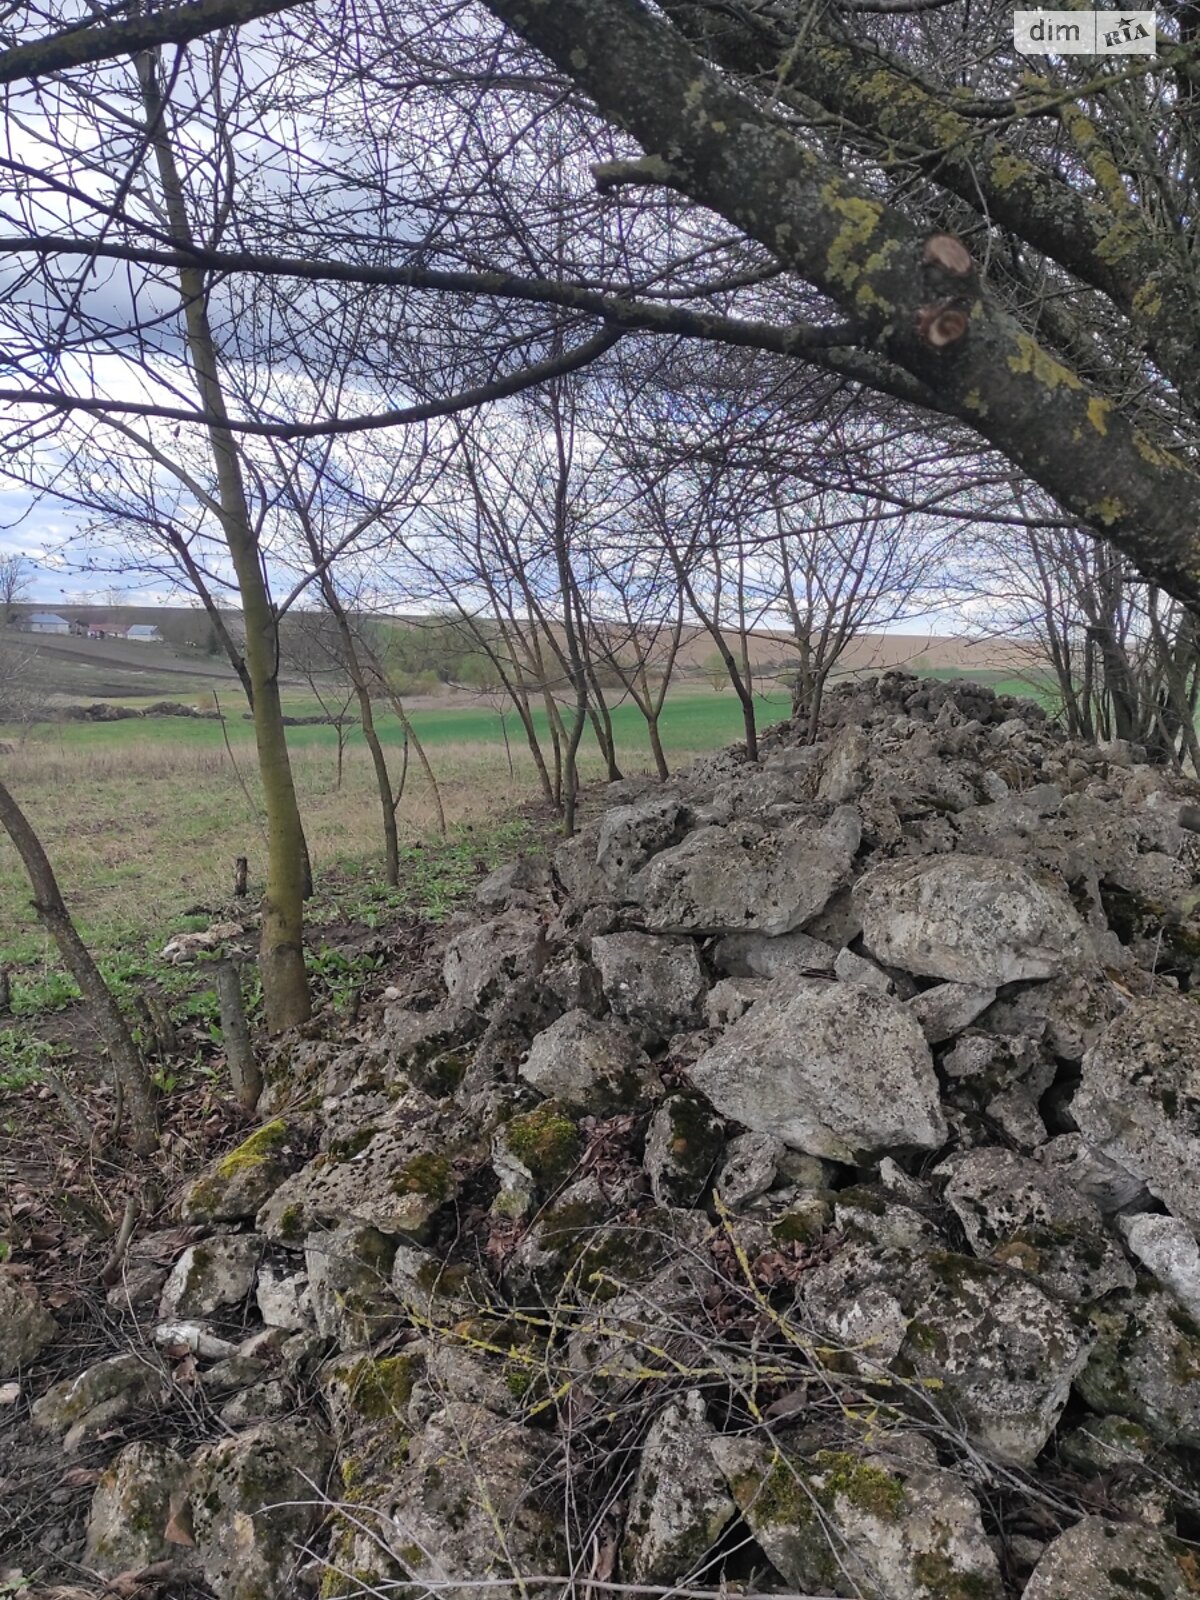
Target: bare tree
pixel 16 580
pixel 132 1078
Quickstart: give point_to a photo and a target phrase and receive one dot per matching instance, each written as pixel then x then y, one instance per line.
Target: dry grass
pixel 141 830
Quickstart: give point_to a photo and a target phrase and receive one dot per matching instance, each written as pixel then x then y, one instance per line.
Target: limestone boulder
pixel 652 983
pixel 1099 1560
pixel 588 1064
pixel 1139 1098
pixel 680 1501
pixel 683 1144
pixel 758 955
pixel 627 837
pixel 484 958
pixel 460 1509
pixel 211 1276
pixel 968 919
pixel 1146 1363
pixel 26 1327
pixel 132 1508
pixel 237 1185
pixel 948 1008
pixel 1022 1214
pixel 1167 1248
pixel 831 1069
pixel 349 1276
pixel 256 1499
pixel 876 1525
pixel 729 880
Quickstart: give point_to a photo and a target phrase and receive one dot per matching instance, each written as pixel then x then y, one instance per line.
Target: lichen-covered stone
pixel 26 1327
pixel 1146 1364
pixel 130 1380
pixel 683 1143
pixel 132 1506
pixel 461 1508
pixel 588 1065
pixel 1139 1099
pixel 239 1183
pixel 967 919
pixel 851 1523
pixel 211 1276
pixel 652 983
pixel 722 880
pixel 679 1503
pixel 1022 1214
pixel 256 1499
pixel 832 1070
pixel 1099 1560
pixel 1001 1353
pixel 349 1276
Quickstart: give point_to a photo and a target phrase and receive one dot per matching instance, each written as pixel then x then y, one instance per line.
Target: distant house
pixel 44 622
pixel 145 633
pixel 99 629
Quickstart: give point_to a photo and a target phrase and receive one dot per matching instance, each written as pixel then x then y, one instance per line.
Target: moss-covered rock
pixel 127 1381
pixel 132 1506
pixel 349 1280
pixel 396 1182
pixel 680 1501
pixel 889 1526
pixel 1099 1560
pixel 1146 1364
pixel 255 1500
pixel 238 1184
pixel 683 1146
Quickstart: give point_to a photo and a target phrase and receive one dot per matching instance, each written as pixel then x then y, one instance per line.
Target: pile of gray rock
pixel 793 1183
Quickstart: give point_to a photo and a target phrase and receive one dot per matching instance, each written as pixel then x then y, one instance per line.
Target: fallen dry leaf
pixel 79 1477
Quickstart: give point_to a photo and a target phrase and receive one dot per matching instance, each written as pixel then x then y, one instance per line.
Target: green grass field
pixel 142 818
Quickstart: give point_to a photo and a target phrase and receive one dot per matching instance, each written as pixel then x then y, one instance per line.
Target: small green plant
pixel 48 990
pixel 23 1058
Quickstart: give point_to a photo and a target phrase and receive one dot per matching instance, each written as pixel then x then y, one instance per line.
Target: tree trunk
pixel 244 1072
pixel 281 952
pixel 128 1066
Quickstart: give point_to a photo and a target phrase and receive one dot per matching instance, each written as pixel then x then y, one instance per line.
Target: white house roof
pixel 49 619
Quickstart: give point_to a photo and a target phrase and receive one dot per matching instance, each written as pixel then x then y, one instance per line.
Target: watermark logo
pixel 1084 33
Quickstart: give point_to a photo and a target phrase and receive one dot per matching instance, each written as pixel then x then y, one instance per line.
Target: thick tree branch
pixel 836 235
pixel 830 347
pixel 466 400
pixel 1109 248
pixel 76 47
